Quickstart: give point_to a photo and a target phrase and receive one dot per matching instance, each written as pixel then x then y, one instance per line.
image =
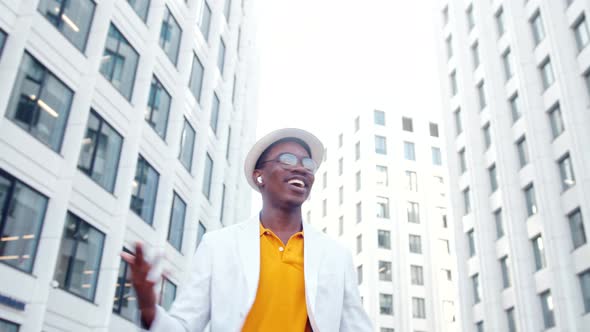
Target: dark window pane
pixel 125 300
pixel 78 261
pixel 221 57
pixel 119 62
pixel 158 108
pixel 205 21
pixel 6 326
pixel 187 144
pixel 379 118
pixel 40 102
pixel 207 176
pixel 22 211
pixel 214 120
pixel 141 7
pixel 3 37
pixel 176 229
pixel 72 18
pixel 170 36
pixel 196 80
pixel 168 294
pixel 144 190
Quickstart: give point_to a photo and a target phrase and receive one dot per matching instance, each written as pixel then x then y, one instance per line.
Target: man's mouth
pixel 297 183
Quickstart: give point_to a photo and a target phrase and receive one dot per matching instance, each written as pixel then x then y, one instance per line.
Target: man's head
pixel 282 164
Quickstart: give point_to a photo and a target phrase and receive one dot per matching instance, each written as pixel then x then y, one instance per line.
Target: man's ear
pixel 257 177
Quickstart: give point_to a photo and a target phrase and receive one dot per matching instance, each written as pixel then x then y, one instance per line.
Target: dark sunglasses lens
pixel 309 164
pixel 288 159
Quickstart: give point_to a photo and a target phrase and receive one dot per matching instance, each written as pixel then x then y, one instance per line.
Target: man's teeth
pixel 296 182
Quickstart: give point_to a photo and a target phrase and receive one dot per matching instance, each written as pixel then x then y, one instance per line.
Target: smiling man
pixel 271 273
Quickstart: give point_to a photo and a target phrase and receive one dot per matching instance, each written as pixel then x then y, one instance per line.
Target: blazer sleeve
pixel 191 311
pixel 354 318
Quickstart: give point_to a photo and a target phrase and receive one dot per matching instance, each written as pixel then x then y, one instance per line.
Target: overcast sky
pixel 323 61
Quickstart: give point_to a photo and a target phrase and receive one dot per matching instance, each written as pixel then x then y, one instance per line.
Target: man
pixel 271 273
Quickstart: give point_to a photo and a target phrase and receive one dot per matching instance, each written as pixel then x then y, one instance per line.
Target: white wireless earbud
pixel 259 179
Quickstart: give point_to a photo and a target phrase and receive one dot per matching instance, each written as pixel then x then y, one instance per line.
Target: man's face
pixel 284 184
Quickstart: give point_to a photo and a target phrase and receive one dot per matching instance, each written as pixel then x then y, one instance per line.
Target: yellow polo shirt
pixel 280 299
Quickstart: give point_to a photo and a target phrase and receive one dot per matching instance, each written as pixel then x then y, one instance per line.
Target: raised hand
pixel 144 286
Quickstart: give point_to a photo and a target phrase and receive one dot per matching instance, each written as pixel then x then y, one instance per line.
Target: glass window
pixel 214 120
pixel 470 18
pixel 547 307
pixel 144 190
pixel 448 274
pixel 418 307
pixel 196 80
pixel 515 107
pixel 547 75
pixel 493 178
pixel 530 199
pixel 417 274
pixel 487 135
pixel 585 287
pixel 445 246
pixel 234 93
pixel 358 180
pixel 413 210
pixel 436 156
pixel 340 166
pixel 453 83
pixel 479 326
pixel 386 329
pixel 207 176
pixel 499 223
pixel 471 242
pixel 221 56
pixel 340 195
pixel 523 152
pixel 476 288
pixel 556 121
pixel 577 228
pixel 415 244
pixel 3 37
pixel 409 152
pixel 481 95
pixel 508 67
pixel 433 129
pixel 325 180
pixel 227 9
pixel 449 44
pixel 538 29
pixel 511 320
pixel 462 161
pixel 382 207
pixel 170 36
pixel 581 33
pixel 357 150
pixel 412 181
pixel 500 21
pixel 466 202
pixel 340 140
pixel 228 145
pixel 187 143
pixel 386 304
pixel 380 144
pixel 383 239
pixel 445 14
pixel 72 18
pixel 7 326
pixel 379 117
pixel 384 271
pixel 357 124
pixel 505 266
pixel 176 228
pixel 141 7
pixel 382 176
pixel 359 243
pixel 359 274
pixel 125 300
pixel 407 124
pixel 22 211
pixel 78 261
pixel 119 62
pixel 324 207
pixel 205 20
pixel 475 55
pixel 202 230
pixel 458 124
pixel 99 155
pixel 566 172
pixel 158 108
pixel 40 103
pixel 167 294
pixel 340 225
pixel 539 252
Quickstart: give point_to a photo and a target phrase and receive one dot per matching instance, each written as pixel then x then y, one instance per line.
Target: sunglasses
pixel 289 160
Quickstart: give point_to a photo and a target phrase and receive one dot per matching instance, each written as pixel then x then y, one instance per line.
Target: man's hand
pixel 144 287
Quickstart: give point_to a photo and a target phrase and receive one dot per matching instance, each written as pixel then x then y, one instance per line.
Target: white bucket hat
pixel 315 145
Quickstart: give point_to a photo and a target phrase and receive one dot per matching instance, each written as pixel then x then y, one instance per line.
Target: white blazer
pixel 224 278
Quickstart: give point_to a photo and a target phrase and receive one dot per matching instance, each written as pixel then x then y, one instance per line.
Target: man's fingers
pixel 139 252
pixel 129 258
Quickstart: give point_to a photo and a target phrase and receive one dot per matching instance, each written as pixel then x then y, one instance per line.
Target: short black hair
pixel 282 140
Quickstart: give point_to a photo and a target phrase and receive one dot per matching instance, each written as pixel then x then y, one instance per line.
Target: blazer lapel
pixel 249 251
pixel 312 255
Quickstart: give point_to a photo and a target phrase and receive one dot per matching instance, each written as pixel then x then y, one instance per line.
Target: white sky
pixel 321 61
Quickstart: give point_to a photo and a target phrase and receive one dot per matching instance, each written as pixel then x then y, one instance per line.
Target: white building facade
pixel 381 192
pixel 122 121
pixel 516 101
